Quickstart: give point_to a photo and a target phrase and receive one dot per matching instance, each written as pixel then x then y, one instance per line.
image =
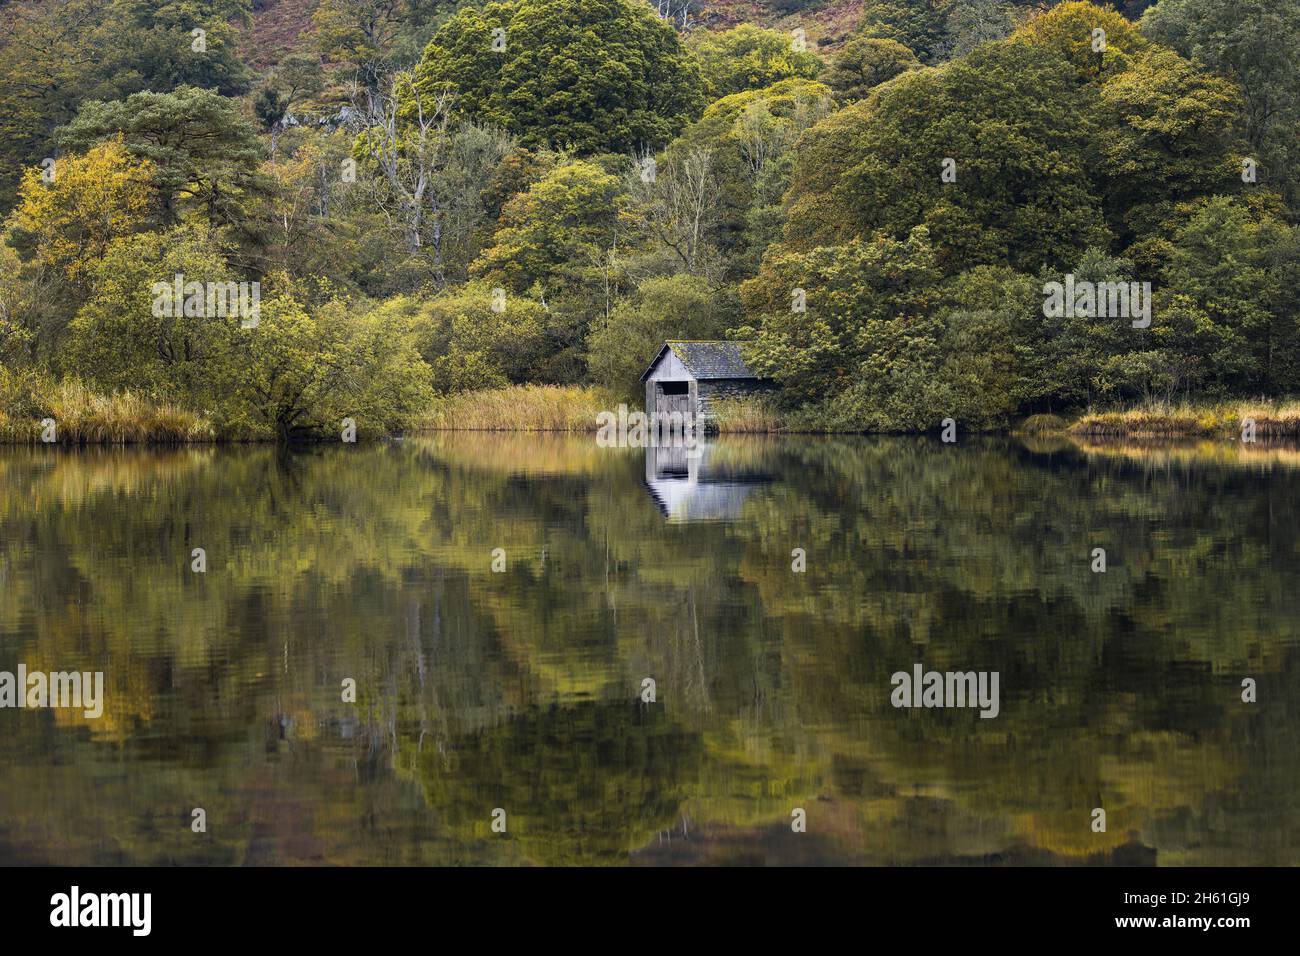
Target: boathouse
pixel 688 377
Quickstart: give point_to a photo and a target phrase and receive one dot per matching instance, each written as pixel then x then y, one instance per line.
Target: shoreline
pixel 552 409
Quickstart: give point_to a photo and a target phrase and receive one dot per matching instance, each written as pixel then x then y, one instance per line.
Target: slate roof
pixel 707 359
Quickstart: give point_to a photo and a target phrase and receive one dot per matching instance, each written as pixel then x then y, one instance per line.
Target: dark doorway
pixel 674 397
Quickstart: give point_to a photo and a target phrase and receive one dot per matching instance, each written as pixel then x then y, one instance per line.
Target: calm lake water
pixel 521 689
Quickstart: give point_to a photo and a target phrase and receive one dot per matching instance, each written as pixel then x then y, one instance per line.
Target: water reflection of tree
pixel 374 562
pixel 583 783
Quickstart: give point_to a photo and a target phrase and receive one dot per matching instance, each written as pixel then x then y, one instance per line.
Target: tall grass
pixel 751 416
pixel 83 416
pixel 1273 419
pixel 528 408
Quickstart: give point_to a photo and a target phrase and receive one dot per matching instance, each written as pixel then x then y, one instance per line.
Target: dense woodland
pixel 438 197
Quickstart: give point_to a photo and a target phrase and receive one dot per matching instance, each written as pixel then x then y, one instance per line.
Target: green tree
pixel 748 141
pixel 996 356
pixel 34 306
pixel 1239 270
pixel 177 43
pixel 1096 42
pixel 910 355
pixel 1256 43
pixel 303 371
pixel 315 223
pixel 19 310
pixel 622 344
pixel 917 24
pixel 56 55
pixel 968 23
pixel 44 65
pixel 295 79
pixel 587 75
pixel 374 37
pixel 1167 132
pixel 1020 190
pixel 427 172
pixel 863 63
pixel 1099 357
pixel 473 338
pixel 550 235
pixel 749 58
pixel 206 155
pixel 827 311
pixel 558 242
pixel 121 339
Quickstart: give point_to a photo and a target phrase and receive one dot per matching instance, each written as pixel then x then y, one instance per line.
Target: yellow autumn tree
pixel 67 216
pixel 1097 41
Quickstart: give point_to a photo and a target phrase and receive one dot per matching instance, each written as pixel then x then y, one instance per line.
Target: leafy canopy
pixel 749 58
pixel 587 75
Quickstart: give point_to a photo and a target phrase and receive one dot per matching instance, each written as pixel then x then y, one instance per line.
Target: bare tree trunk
pixel 406 128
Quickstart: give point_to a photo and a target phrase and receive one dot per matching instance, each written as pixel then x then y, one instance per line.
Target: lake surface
pixel 521 690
